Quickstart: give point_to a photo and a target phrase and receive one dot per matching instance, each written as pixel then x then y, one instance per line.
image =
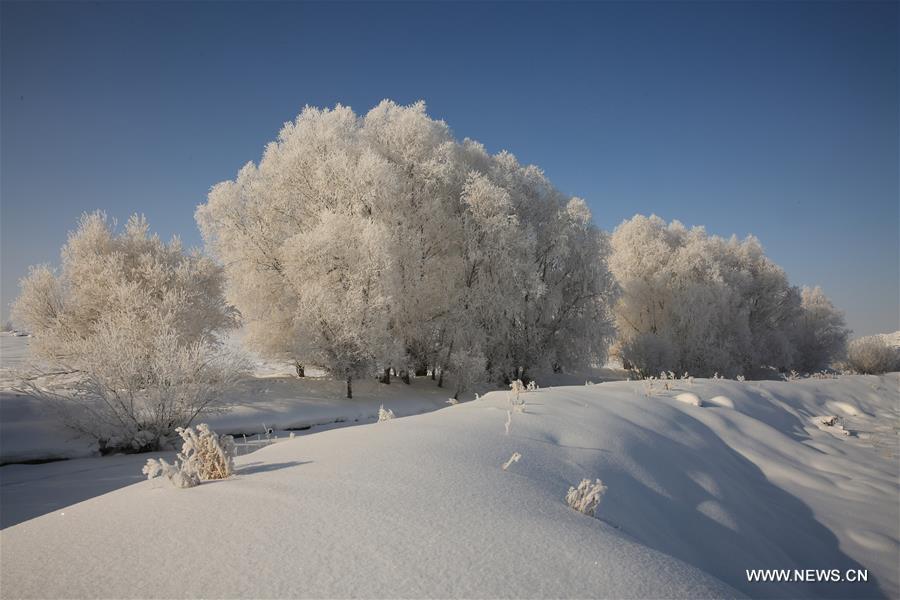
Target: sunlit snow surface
pixel 421 507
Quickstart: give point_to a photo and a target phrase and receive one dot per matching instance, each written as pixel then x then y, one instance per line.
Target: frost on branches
pixel 138 321
pixel 700 303
pixel 381 241
pixel 586 497
pixel 204 456
pixel 872 356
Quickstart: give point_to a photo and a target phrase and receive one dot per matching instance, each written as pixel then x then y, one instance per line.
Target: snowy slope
pixel 419 506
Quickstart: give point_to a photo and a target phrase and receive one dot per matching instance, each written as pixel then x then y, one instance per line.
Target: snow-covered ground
pixel 272 398
pixel 420 506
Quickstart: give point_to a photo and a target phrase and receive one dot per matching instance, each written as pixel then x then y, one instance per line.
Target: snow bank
pixel 423 507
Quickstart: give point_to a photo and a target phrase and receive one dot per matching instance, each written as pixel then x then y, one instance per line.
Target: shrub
pixel 132 393
pixel 647 353
pixel 586 497
pixel 384 414
pixel 204 456
pixel 872 355
pixel 138 321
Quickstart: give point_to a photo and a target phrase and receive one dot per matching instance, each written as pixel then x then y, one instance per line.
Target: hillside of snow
pixel 420 506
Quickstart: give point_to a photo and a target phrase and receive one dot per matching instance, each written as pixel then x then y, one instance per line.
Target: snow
pixel 273 398
pixel 422 507
pixel 689 398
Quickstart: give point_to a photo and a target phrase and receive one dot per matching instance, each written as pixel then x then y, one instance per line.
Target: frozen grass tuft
pixel 586 497
pixel 204 456
pixel 384 414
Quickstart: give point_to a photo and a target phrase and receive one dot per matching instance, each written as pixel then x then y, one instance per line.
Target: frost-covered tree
pixel 138 322
pixel 820 335
pixel 382 242
pixel 871 355
pixel 704 304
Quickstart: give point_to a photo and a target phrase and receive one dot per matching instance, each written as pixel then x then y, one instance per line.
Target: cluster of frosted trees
pixel 380 242
pixel 703 304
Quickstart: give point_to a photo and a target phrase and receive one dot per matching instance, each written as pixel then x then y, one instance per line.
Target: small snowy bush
pixel 204 456
pixel 177 476
pixel 385 414
pixel 586 497
pixel 872 356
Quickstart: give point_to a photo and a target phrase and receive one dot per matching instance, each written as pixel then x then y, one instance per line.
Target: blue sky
pixel 776 119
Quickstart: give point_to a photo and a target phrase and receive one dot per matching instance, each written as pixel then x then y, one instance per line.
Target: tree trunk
pixel 404 376
pixel 300 370
pixel 349 387
pixel 441 379
pixel 433 371
pixel 386 378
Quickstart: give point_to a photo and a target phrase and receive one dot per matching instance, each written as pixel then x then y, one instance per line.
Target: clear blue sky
pixel 777 119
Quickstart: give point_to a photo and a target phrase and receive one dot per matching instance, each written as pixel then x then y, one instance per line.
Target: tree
pixel 704 304
pixel 820 337
pixel 139 321
pixel 381 241
pixel 871 355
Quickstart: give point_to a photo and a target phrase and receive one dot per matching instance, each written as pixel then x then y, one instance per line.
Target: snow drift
pixel 422 507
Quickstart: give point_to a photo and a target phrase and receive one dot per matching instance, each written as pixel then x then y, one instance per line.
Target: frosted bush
pixel 517 404
pixel 532 386
pixel 384 414
pixel 586 497
pixel 647 353
pixel 177 476
pixel 138 322
pixel 205 453
pixel 872 355
pixel 204 456
pixel 824 375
